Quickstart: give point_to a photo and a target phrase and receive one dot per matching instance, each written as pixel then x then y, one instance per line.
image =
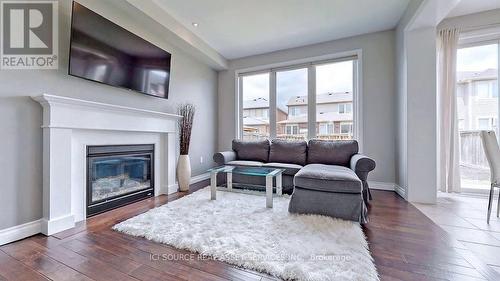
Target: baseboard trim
pixel 199 178
pixel 382 185
pixel 56 225
pixel 19 232
pixel 400 191
pixel 174 187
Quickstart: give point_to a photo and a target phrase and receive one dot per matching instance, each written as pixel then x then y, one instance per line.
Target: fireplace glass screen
pixel 117 175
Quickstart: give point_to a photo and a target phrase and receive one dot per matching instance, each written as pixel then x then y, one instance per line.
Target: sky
pixel 477 58
pixel 334 77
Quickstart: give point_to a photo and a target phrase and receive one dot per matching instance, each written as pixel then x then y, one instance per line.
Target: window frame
pixel 490 119
pixel 292 127
pixel 344 123
pixel 310 63
pixel 345 106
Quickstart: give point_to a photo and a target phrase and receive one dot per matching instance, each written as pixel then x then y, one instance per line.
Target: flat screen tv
pixel 104 52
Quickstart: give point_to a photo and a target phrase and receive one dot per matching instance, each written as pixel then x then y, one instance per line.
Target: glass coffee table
pixel 268 173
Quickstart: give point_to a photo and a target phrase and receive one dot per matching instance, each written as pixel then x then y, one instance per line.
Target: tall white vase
pixel 183 172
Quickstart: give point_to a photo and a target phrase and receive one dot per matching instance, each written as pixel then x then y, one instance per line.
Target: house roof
pixel 256 103
pixel 249 121
pixel 259 103
pixel 466 76
pixel 320 117
pixel 322 98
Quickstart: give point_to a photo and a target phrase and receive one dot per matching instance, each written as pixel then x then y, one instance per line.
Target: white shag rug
pixel 238 229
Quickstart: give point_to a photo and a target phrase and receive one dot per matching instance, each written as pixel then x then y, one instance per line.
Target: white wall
pixel 417 169
pixel 401 97
pixel 21 117
pixel 421 116
pixel 378 102
pixel 417 113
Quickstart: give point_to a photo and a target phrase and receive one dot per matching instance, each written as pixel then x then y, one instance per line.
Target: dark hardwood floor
pixel 405 244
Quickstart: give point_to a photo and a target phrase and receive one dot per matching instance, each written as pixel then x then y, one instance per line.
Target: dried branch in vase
pixel 185 126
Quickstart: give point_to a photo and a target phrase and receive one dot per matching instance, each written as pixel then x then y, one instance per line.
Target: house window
pixel 486 89
pixel 283 95
pixel 294 111
pixel 345 108
pixel 346 128
pixel 486 123
pixel 483 123
pixel 326 129
pixel 292 129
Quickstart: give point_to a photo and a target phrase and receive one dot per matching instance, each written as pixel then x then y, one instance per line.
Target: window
pixel 477 109
pixel 345 108
pixel 291 102
pixel 486 89
pixel 326 129
pixel 346 128
pixel 294 111
pixel 334 98
pixel 486 123
pixel 292 129
pixel 275 103
pixel 255 95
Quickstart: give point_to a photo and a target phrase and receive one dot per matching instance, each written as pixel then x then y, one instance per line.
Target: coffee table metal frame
pixel 274 173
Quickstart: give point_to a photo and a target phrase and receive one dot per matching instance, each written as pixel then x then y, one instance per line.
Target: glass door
pixel 477 109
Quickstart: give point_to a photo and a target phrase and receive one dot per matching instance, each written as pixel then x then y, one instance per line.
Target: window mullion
pixel 239 109
pixel 272 105
pixel 311 102
pixel 356 104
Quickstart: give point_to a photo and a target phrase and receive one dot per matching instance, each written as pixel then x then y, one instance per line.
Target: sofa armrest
pixel 362 165
pixel 221 158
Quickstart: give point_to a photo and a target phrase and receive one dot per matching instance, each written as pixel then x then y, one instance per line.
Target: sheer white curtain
pixel 448 127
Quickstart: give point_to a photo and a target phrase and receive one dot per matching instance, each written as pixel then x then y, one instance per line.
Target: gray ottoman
pixel 330 190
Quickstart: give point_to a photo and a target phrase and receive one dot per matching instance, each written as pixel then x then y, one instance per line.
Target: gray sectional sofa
pixel 324 177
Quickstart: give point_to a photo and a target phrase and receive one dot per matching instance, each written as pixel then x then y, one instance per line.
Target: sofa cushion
pixel 328 178
pixel 283 151
pixel 331 152
pixel 252 150
pixel 290 169
pixel 245 163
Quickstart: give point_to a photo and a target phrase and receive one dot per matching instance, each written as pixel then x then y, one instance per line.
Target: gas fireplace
pixel 118 175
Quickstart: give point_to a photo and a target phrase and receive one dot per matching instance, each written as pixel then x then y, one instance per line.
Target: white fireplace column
pixel 69 125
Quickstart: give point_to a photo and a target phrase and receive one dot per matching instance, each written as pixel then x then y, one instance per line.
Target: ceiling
pixel 240 28
pixel 465 7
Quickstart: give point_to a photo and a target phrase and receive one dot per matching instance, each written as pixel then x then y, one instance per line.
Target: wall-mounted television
pixel 104 52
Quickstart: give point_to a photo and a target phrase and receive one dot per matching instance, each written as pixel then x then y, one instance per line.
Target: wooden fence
pixel 471 150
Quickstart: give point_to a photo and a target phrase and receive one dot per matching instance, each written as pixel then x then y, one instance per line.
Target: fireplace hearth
pixel 118 175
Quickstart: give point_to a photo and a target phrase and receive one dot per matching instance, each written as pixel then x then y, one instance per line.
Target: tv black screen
pixel 104 52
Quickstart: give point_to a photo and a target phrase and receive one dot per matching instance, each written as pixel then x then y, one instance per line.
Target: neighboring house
pixel 334 117
pixel 477 100
pixel 477 109
pixel 256 117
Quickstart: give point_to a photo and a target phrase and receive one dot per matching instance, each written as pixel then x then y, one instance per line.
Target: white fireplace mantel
pixel 70 125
